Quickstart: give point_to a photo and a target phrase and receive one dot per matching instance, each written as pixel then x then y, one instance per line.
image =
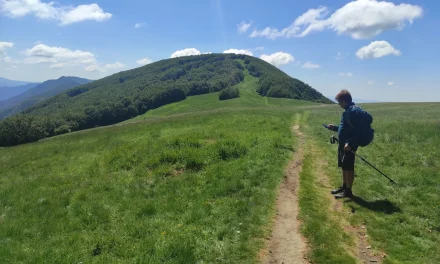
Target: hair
pixel 344 95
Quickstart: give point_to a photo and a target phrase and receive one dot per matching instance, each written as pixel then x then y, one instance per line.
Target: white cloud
pixel 370 82
pixel 259 48
pixel 144 61
pixel 239 51
pixel 105 68
pixel 360 19
pixel 92 68
pixel 243 27
pixel 83 13
pixel 57 65
pixel 348 74
pixel 7 59
pixel 116 65
pixel 4 46
pixel 342 55
pixel 53 11
pixel 377 49
pixel 185 52
pixel 311 16
pixel 139 25
pixel 390 83
pixel 278 58
pixel 309 65
pixel 42 53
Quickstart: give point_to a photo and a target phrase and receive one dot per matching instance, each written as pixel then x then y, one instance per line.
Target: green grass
pixel 402 220
pixel 329 243
pixel 195 182
pixel 209 102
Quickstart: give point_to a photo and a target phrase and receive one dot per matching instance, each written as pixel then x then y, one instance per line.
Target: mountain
pixel 6 82
pixel 356 100
pixel 129 93
pixel 37 94
pixel 7 92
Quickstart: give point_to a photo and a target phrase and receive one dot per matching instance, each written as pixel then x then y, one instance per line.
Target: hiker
pixel 347 143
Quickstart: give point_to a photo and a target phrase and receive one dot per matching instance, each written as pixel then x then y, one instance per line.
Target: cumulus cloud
pixel 42 53
pixel 243 27
pixel 57 65
pixel 344 74
pixel 278 58
pixel 104 68
pixel 4 46
pixel 116 65
pixel 311 16
pixel 185 52
pixel 52 11
pixel 390 83
pixel 377 49
pixel 239 51
pixel 144 61
pixel 309 65
pixel 360 19
pixel 139 25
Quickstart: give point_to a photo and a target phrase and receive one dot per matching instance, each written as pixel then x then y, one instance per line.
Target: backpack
pixel 364 132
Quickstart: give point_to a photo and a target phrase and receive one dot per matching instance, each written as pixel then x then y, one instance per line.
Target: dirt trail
pixel 286 244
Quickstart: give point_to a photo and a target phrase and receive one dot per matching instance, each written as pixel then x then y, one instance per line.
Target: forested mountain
pixel 37 94
pixel 7 92
pixel 129 93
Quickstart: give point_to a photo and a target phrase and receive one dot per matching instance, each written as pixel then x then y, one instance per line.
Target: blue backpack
pixel 364 132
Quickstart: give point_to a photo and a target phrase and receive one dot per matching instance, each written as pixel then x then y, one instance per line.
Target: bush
pixel 229 93
pixel 62 130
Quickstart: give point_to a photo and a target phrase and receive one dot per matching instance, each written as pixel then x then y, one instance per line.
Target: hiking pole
pixel 333 140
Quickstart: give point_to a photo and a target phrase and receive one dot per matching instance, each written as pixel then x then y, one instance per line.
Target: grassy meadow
pixel 195 182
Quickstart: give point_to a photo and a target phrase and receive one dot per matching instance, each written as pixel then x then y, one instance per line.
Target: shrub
pixel 229 93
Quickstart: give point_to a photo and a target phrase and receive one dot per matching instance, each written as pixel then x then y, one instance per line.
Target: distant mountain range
pixel 7 92
pixel 38 93
pixel 356 100
pixel 6 82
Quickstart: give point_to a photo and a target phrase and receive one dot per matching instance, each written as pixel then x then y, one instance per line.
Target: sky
pixel 378 50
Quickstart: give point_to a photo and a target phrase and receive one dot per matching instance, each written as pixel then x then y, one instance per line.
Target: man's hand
pixel 347 148
pixel 331 127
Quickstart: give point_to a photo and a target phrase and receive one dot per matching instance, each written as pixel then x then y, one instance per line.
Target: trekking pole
pixel 333 139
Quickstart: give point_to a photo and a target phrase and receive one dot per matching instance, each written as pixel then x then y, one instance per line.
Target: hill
pixel 6 82
pixel 196 181
pixel 7 92
pixel 37 94
pixel 129 93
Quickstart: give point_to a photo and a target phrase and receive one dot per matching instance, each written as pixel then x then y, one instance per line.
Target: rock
pixel 369 247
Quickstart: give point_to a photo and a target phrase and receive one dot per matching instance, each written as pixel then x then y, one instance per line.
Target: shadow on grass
pixel 382 206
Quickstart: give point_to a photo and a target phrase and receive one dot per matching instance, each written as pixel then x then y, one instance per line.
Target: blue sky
pixel 383 50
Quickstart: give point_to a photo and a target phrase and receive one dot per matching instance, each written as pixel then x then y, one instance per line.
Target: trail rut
pixel 286 244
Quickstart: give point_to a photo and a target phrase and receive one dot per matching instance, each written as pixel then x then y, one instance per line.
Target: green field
pixel 195 182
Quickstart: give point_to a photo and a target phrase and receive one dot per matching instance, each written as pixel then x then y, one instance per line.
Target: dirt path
pixel 286 244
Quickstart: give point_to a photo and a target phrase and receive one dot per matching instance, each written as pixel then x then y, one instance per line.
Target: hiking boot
pixel 339 190
pixel 345 193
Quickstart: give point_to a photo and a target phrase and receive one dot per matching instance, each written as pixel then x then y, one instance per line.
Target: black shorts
pixel 346 159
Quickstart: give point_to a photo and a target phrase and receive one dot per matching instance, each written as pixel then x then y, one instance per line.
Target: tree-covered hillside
pixel 129 93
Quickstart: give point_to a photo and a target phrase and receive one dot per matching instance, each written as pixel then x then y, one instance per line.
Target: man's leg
pixel 344 184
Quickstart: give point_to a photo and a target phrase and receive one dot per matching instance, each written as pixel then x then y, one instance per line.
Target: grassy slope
pixel 188 188
pixel 197 179
pixel 402 220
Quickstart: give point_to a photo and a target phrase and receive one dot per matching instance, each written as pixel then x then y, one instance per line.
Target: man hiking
pixel 347 143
